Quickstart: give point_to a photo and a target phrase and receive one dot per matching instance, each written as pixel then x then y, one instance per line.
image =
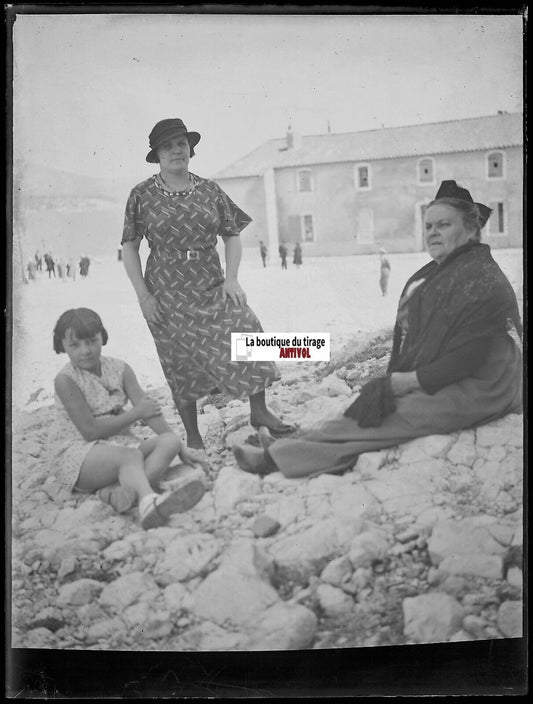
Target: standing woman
pixel 190 307
pixel 297 259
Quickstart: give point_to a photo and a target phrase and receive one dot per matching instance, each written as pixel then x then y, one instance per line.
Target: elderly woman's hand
pixel 151 309
pixel 231 288
pixel 403 383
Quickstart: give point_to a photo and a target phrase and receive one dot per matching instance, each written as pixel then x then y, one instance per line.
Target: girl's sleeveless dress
pixel 105 396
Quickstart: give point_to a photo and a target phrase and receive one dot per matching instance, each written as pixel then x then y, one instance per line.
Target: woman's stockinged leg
pixel 189 418
pixel 261 416
pixel 158 453
pixel 107 464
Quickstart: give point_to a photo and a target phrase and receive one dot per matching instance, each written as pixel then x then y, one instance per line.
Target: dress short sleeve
pixel 133 222
pixel 232 219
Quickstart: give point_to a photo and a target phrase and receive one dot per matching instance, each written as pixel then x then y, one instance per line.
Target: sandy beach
pixel 339 295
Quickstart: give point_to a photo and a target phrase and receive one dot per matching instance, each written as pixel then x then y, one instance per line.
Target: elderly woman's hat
pixel 450 189
pixel 168 129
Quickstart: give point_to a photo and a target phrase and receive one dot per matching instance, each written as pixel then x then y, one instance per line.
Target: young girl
pixel 96 448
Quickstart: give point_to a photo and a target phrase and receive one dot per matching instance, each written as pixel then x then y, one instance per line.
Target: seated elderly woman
pixel 453 364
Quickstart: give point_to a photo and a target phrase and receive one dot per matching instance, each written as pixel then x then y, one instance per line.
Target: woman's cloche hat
pixel 165 130
pixel 450 189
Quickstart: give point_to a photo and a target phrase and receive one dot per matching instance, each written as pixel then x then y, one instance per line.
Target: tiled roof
pixel 471 134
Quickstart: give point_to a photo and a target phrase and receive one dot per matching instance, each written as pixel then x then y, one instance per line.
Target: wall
pixel 395 199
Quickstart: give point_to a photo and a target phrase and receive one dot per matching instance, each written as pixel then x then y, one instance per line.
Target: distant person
pixel 263 251
pixel 297 258
pixel 385 272
pixel 283 251
pixel 95 449
pixel 119 255
pixel 188 303
pixel 84 266
pixel 61 269
pixel 31 268
pixel 50 265
pixel 71 269
pixel 38 261
pixel 453 363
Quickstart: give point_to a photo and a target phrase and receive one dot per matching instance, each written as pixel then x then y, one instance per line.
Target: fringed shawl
pixel 465 298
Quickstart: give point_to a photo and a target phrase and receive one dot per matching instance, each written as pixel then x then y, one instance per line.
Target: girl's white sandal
pixel 156 509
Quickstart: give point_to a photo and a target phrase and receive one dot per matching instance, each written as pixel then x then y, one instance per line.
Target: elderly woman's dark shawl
pixel 465 298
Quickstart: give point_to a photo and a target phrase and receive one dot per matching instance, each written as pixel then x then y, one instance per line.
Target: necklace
pixel 174 192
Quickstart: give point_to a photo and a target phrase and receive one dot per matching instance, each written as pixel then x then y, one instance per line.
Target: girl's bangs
pixel 84 325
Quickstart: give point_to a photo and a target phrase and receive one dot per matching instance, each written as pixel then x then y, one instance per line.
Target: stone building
pixel 354 192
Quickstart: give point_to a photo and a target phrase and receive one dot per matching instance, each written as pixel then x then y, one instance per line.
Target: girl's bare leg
pixel 158 453
pixel 107 464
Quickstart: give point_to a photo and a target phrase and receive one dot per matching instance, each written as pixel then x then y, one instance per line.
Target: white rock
pixel 353 501
pixel 477 564
pixel 337 571
pixel 307 552
pixel 119 550
pixel 333 601
pixel 510 615
pixel 323 408
pixel 332 385
pixel 127 589
pixel 283 627
pixel 492 434
pixel 174 596
pixel 234 485
pixel 112 629
pixel 515 577
pixel 368 547
pixel 147 622
pixel 247 557
pixel 229 597
pixel 464 449
pixel 188 555
pixel 209 636
pixel 239 436
pixel 450 538
pixel 369 462
pixel 323 484
pixel 82 591
pixel 39 638
pixel 432 617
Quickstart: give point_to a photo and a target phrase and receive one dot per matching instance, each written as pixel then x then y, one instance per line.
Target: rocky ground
pixel 420 543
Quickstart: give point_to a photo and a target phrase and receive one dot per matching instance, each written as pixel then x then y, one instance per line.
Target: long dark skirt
pixel 335 445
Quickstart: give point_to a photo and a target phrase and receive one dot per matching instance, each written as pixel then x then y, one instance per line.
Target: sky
pixel 88 88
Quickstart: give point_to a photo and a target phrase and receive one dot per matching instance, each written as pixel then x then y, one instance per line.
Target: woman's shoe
pixel 276 430
pixel 253 460
pixel 119 497
pixel 156 509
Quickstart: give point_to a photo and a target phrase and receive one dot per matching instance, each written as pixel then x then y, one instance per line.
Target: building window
pixel 495 165
pixel 426 171
pixel 307 228
pixel 362 177
pixel 496 224
pixel 365 226
pixel 305 182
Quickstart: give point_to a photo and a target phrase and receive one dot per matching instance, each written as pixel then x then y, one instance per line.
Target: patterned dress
pixel 105 396
pixel 194 342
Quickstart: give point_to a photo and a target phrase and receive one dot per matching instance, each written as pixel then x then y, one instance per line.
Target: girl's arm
pixel 233 253
pixel 132 263
pixel 136 394
pixel 92 428
pixel 157 422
